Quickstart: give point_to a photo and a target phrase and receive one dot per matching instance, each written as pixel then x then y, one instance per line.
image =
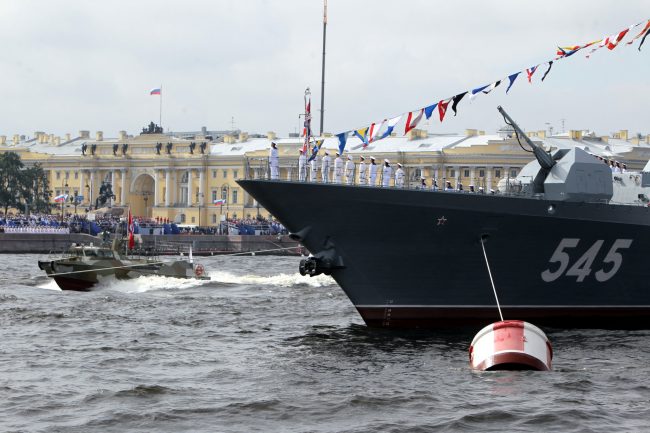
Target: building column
pixel 201 190
pixel 155 186
pixel 168 187
pixel 488 180
pixel 189 187
pixel 472 176
pixel 435 174
pixel 123 192
pixel 92 187
pixel 82 186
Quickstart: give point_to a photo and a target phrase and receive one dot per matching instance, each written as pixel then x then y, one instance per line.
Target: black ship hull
pixel 413 258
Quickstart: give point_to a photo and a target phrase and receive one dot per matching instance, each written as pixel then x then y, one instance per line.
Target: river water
pixel 260 348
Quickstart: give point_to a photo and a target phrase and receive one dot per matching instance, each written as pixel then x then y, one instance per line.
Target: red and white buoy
pixel 510 345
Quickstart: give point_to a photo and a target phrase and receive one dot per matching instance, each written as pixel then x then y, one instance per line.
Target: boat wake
pixel 280 280
pixel 138 285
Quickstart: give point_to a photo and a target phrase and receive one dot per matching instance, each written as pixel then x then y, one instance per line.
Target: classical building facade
pixel 165 176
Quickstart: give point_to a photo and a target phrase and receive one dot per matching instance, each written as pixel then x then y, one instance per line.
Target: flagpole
pixel 322 85
pixel 160 114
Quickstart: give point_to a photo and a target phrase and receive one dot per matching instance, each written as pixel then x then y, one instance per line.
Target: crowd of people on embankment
pixel 55 224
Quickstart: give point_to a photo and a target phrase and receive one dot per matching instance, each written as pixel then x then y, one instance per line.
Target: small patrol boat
pixel 510 345
pixel 83 266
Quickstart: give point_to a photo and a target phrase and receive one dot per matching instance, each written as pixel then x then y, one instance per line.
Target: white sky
pixel 68 65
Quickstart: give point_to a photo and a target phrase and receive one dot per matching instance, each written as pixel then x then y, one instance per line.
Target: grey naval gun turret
pixel 567 175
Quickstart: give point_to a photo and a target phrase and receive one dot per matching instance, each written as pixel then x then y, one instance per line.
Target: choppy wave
pixel 279 280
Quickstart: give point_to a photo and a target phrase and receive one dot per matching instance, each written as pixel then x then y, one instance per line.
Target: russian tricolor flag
pixel 61 198
pixel 155 91
pixel 220 202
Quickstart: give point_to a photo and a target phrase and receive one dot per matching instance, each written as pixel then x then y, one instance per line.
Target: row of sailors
pixel 37 229
pixel 367 172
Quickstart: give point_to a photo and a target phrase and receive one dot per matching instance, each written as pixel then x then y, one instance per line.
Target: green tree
pixel 36 193
pixel 11 181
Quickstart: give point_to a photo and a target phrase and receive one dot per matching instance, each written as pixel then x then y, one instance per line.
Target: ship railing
pixel 259 168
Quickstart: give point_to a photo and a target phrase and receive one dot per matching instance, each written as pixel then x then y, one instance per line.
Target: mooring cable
pixel 490 274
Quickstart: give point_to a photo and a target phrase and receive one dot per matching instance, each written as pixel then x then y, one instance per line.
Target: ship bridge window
pixel 104 254
pixel 513 172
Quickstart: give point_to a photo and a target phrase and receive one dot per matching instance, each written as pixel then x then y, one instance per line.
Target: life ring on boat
pixel 199 270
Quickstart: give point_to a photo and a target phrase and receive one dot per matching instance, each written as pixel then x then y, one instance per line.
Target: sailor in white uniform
pixel 302 166
pixel 349 170
pixel 274 161
pixel 372 171
pixel 313 173
pixel 338 168
pixel 325 168
pixel 363 170
pixel 399 176
pixel 387 173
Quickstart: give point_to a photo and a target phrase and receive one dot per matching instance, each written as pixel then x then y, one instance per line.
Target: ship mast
pixel 322 84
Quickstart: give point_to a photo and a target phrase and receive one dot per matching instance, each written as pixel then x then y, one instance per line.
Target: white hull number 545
pixel 581 268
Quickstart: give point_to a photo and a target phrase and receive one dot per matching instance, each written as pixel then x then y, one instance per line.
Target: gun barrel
pixel 545 160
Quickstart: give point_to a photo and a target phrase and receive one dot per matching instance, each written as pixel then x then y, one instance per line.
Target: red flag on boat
pixel 131 229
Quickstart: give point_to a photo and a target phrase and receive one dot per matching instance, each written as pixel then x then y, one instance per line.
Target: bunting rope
pixel 382 129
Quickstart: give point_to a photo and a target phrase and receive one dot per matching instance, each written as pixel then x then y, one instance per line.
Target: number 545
pixel 581 269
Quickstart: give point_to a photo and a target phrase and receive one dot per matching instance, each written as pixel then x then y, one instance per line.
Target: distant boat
pixel 84 266
pixel 567 245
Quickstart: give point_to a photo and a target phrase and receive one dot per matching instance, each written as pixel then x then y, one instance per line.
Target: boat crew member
pixel 274 162
pixel 302 166
pixel 386 174
pixel 481 190
pixel 617 169
pixel 448 186
pixel 423 182
pixel 460 186
pixel 399 176
pixel 349 170
pixel 471 189
pixel 372 171
pixel 313 169
pixel 434 184
pixel 362 170
pixel 325 168
pixel 624 168
pixel 338 168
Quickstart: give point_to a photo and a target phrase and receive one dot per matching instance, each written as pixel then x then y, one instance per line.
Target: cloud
pixel 71 65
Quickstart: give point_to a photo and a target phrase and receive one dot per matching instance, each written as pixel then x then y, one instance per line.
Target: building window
pixel 76 175
pixel 67 175
pixel 452 173
pixel 234 174
pixel 193 220
pixel 58 175
pixel 234 196
pixel 184 177
pixel 225 174
pixel 214 174
pixel 481 173
pixel 497 173
pixel 214 218
pixel 223 194
pixel 513 172
pixel 182 218
pixel 214 196
pixel 466 173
